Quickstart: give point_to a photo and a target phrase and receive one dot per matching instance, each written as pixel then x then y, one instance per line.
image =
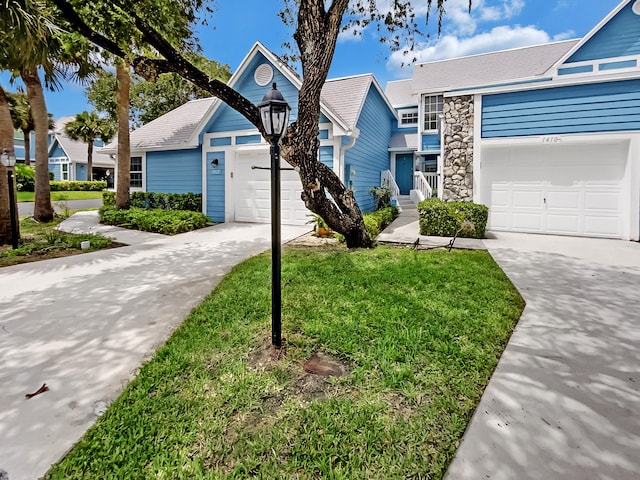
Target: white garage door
pixel 253 192
pixel 556 189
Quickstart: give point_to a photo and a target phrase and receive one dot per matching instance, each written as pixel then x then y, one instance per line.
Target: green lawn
pixel 41 241
pixel 419 332
pixel 60 196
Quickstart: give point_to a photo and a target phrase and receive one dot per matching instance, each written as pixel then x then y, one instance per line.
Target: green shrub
pixel 109 198
pixel 25 177
pixel 381 196
pixel 167 201
pixel 447 219
pixel 77 186
pixel 377 221
pixel 167 222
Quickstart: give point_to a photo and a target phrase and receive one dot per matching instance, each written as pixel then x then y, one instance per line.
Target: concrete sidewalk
pixel 563 402
pixel 84 324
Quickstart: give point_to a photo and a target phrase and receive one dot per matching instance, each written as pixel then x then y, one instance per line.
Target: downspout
pixel 353 136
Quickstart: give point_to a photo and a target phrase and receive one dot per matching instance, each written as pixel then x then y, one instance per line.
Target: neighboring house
pixel 548 136
pixel 18 146
pixel 68 158
pixel 206 147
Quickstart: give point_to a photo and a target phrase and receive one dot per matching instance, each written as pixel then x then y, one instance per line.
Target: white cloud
pixel 451 46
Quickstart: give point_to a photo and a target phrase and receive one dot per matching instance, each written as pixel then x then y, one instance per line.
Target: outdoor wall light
pixel 274 113
pixel 214 163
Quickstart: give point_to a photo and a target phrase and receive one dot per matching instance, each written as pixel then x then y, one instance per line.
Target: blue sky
pixel 492 25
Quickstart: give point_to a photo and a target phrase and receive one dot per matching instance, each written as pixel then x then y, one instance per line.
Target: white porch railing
pixel 422 185
pixel 387 180
pixel 432 180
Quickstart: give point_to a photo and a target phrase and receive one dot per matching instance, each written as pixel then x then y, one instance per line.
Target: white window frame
pixel 404 114
pixel 431 117
pixel 141 172
pixel 64 175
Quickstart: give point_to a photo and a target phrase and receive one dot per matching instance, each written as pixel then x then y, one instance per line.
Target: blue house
pixel 547 136
pixel 68 157
pixel 206 147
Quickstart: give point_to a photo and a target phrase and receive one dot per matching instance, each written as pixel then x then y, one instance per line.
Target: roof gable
pixel 347 96
pixel 76 151
pixel 617 35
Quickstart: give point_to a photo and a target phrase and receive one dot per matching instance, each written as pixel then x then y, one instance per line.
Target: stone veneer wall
pixel 457 160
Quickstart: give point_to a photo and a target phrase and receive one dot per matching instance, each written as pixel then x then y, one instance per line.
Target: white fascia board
pixel 587 37
pixel 193 140
pixel 555 82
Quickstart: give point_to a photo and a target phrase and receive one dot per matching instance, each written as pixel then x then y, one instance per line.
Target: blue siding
pixel 606 107
pixel 323 134
pixel 370 156
pixel 618 38
pixel 227 120
pixel 174 171
pixel 57 151
pixel 430 142
pixel 326 155
pixel 80 171
pixel 56 171
pixel 215 187
pixel 323 117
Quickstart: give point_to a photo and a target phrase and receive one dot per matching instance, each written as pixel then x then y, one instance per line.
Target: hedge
pixel 77 186
pixel 377 221
pixel 25 177
pixel 446 219
pixel 157 220
pixel 164 201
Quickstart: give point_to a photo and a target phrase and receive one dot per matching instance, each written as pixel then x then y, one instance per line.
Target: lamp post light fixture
pixel 274 113
pixel 8 159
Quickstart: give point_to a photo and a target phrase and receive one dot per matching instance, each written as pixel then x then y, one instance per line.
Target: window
pixel 64 168
pixel 136 172
pixel 408 118
pixel 432 111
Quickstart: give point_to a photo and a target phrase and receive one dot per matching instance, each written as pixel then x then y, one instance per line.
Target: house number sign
pixel 551 139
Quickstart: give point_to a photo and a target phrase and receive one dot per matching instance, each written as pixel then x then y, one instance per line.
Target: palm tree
pixel 88 126
pixel 23 120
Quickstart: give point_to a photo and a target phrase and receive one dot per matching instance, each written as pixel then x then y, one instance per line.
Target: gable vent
pixel 263 74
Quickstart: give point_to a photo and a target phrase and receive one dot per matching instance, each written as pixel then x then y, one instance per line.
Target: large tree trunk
pixel 316 35
pixel 123 83
pixel 6 143
pixel 27 147
pixel 90 161
pixel 42 210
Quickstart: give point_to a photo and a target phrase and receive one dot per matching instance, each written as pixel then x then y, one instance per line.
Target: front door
pixel 404 173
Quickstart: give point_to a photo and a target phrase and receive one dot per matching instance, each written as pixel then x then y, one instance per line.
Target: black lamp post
pixel 274 112
pixel 8 159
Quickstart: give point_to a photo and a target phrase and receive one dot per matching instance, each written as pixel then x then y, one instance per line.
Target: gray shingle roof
pixel 345 97
pixel 400 93
pixel 77 152
pixel 173 129
pixel 479 70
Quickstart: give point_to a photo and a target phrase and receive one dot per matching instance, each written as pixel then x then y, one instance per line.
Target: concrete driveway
pixel 84 324
pixel 564 401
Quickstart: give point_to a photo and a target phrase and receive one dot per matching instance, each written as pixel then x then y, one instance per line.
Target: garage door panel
pixel 602 201
pixel 562 224
pixel 572 189
pixel 527 222
pixel 600 226
pixel 253 194
pixel 563 199
pixel 527 199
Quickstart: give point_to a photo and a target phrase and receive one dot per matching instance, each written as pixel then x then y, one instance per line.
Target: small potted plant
pixel 320 227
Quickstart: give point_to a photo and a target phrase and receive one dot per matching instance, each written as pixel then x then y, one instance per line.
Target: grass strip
pixel 419 332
